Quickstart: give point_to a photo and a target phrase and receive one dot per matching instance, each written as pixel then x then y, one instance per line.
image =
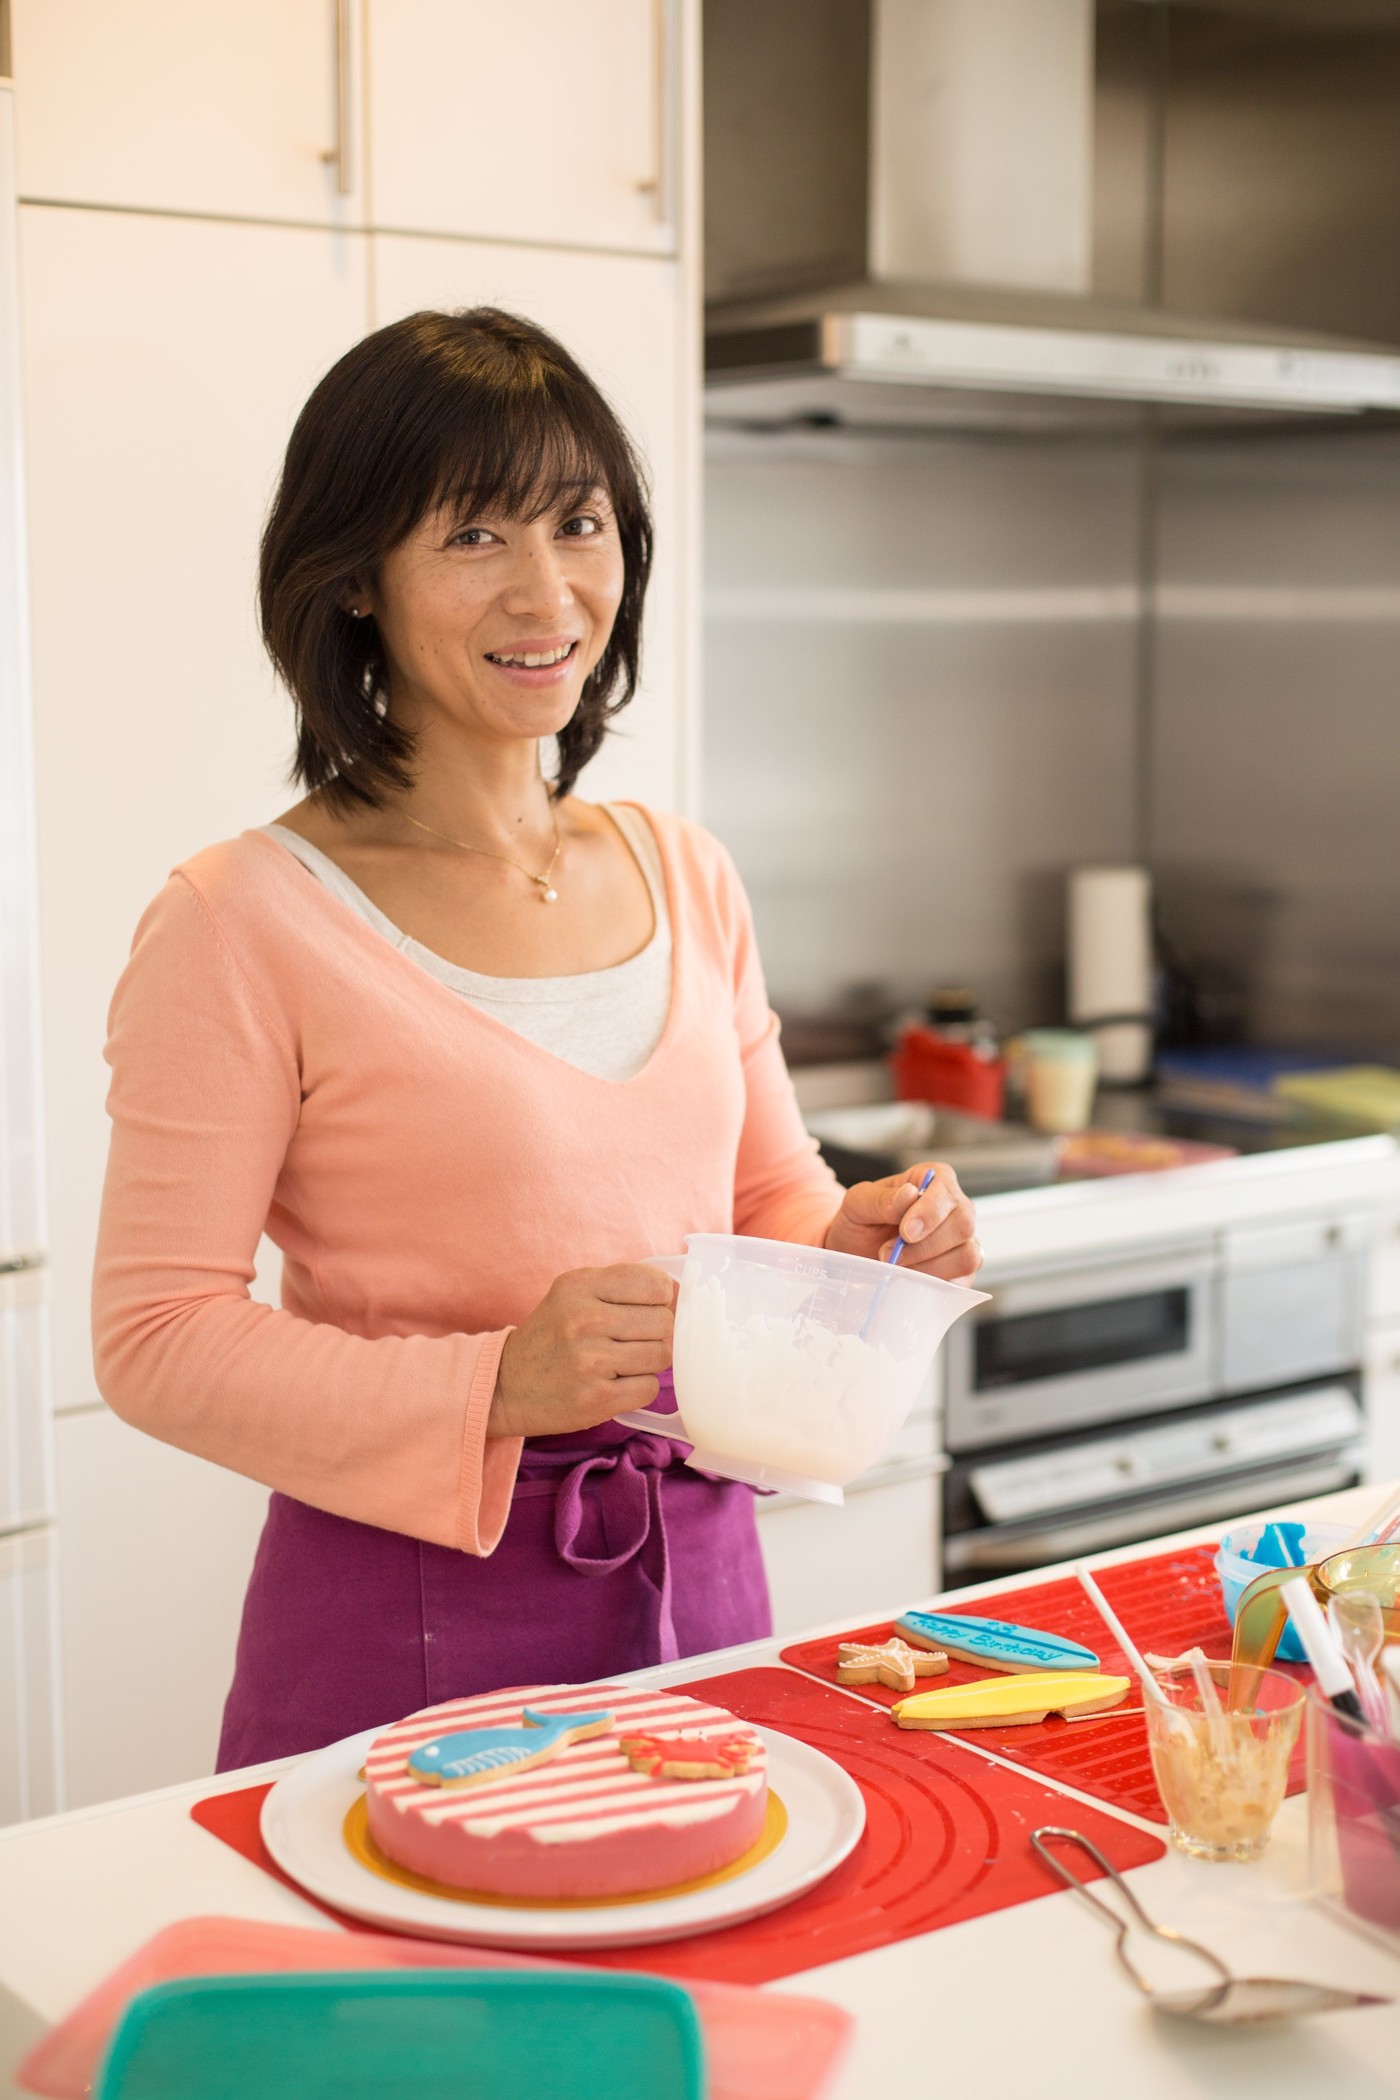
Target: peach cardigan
pixel 426 1171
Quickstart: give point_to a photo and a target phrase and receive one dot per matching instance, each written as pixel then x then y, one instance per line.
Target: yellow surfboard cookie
pixel 1000 1702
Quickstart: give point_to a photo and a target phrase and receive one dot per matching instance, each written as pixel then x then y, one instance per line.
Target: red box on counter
pixel 928 1067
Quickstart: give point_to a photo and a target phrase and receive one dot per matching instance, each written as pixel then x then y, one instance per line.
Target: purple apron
pixel 615 1555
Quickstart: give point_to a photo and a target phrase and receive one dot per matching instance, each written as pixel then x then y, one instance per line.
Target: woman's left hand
pixel 938 1226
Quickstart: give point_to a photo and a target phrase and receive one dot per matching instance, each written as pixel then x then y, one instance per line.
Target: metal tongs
pixel 1230 2000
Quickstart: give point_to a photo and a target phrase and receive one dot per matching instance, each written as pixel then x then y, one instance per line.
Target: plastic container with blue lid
pixel 1244 1552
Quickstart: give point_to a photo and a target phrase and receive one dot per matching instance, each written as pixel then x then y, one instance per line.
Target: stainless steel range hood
pixel 887 354
pixel 973 149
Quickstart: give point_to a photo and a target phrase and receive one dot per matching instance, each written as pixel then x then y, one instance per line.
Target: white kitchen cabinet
pixel 26 1455
pixel 1381 1366
pixel 23 1224
pixel 557 122
pixel 165 361
pixel 627 320
pixel 1383 1283
pixel 1381 1397
pixel 31 1727
pixel 879 1553
pixel 157 1550
pixel 168 106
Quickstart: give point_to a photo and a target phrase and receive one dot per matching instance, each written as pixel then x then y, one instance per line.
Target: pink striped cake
pixel 585 1823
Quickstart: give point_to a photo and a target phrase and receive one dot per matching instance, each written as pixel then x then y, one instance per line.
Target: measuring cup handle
pixel 661 1418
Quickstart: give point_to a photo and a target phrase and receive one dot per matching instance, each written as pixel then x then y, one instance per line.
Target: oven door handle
pixel 1092 1283
pixel 995 1549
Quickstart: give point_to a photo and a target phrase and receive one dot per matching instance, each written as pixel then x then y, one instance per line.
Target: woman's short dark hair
pixel 479 410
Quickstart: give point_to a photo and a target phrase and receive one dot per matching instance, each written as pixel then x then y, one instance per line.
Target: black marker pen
pixel 1328 1663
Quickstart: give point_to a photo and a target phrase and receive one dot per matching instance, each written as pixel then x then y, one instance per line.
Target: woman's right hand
pixel 593 1347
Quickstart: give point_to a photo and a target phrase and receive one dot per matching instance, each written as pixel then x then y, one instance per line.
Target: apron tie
pixel 627 1479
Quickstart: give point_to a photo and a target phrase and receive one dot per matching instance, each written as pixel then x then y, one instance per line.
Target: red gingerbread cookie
pixel 689 1757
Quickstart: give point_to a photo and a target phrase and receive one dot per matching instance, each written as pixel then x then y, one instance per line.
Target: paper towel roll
pixel 1110 966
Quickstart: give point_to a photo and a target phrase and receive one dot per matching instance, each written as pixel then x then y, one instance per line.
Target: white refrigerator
pixel 30 1741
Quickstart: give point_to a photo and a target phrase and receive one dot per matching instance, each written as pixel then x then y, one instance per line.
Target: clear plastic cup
pixel 795 1368
pixel 1222 1779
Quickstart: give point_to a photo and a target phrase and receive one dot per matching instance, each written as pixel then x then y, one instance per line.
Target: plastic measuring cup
pixel 1261 1615
pixel 777 1381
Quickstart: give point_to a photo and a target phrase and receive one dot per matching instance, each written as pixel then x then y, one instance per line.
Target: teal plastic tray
pixel 408 2035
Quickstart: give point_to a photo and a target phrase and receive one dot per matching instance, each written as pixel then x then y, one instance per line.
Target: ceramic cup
pixel 1059 1075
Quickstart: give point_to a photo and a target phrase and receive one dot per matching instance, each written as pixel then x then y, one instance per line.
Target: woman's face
pixel 491 624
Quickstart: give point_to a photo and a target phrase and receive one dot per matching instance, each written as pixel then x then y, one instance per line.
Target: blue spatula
pixel 900 1243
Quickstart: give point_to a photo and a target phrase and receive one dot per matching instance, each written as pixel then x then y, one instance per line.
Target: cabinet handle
pixel 338 155
pixel 657 185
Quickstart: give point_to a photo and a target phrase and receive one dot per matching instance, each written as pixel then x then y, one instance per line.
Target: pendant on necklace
pixel 549 896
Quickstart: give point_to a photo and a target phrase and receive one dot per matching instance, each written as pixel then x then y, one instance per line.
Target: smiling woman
pixel 417 448
pixel 465 1121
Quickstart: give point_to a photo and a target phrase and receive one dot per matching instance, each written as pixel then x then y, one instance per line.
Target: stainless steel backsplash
pixel 919 701
pixel 925 701
pixel 1274 782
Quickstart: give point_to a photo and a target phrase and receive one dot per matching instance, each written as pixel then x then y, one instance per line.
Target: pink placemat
pixel 759 2045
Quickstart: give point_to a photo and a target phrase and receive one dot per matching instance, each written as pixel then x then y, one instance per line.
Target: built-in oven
pixel 1086 1343
pixel 1102 1401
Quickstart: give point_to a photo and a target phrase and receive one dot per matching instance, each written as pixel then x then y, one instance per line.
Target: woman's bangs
pixel 527 457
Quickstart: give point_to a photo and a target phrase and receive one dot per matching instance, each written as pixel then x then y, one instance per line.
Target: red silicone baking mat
pixel 946 1838
pixel 1167 1603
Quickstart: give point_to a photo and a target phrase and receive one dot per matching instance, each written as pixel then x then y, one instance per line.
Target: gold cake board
pixel 363 1848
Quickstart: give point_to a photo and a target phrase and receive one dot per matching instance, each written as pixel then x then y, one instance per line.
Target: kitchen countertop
pixel 1146 1112
pixel 79 1892
pixel 1295 1169
pixel 1065 1220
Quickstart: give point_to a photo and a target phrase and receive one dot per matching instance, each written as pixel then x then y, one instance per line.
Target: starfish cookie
pixel 893 1663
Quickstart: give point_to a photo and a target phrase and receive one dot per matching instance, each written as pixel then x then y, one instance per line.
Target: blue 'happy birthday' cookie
pixel 995 1643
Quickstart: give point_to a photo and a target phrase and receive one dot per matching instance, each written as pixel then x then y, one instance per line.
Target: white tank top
pixel 606 1022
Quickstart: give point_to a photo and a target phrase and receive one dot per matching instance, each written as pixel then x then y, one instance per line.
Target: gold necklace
pixel 548 893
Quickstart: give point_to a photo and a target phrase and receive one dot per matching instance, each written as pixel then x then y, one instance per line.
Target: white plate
pixel 303 1828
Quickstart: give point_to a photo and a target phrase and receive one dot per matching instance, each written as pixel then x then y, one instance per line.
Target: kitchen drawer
pixel 1291 1299
pixel 1295 1243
